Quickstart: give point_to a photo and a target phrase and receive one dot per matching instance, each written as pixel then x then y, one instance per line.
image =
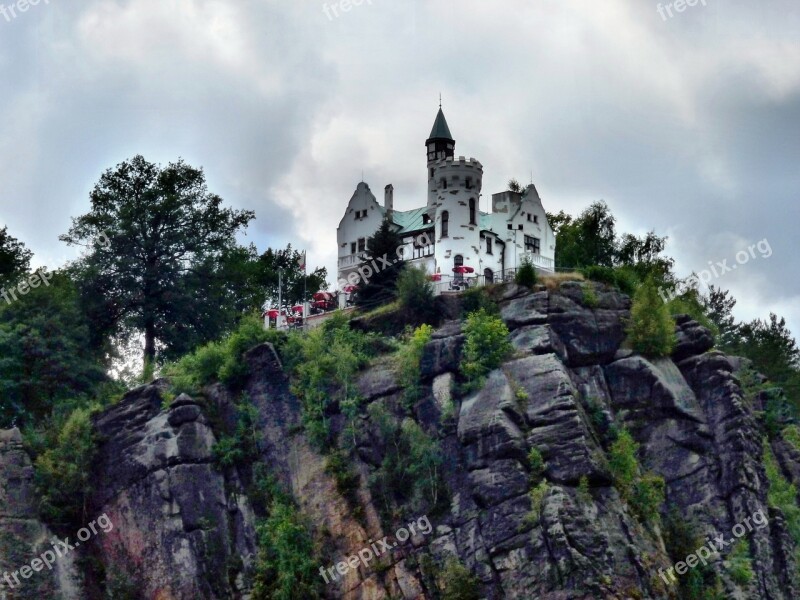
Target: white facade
pixel 450 231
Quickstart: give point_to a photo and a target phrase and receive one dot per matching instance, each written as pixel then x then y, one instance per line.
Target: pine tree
pixel 380 268
pixel 652 330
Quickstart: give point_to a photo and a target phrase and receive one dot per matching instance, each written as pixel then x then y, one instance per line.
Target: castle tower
pixel 454 210
pixel 439 145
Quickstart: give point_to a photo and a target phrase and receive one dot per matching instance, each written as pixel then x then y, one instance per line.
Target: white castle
pixel 456 243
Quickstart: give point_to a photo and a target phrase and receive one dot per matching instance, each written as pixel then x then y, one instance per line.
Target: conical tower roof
pixel 440 129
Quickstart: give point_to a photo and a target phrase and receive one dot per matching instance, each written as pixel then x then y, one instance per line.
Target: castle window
pixel 444 183
pixel 362 244
pixel 352 247
pixel 533 218
pixel 488 245
pixel 433 172
pixel 510 226
pixel 469 183
pixel 445 224
pixel 472 211
pixel 532 244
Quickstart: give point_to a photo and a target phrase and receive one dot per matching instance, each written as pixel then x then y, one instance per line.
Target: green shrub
pixel 537 494
pixel 287 565
pixel 590 299
pixel 477 298
pixel 624 278
pixel 681 540
pixel 652 330
pixel 220 361
pixel 791 434
pixel 526 273
pixel 411 467
pixel 243 445
pixel 536 464
pixel 584 495
pixel 339 465
pixel 690 303
pixel 644 493
pixel 415 291
pixel 63 473
pixel 408 358
pixel 739 563
pixel 648 496
pixel 324 363
pixel 782 495
pixel 457 583
pixel 486 347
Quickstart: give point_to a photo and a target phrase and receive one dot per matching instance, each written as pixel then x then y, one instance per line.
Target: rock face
pixel 184 529
pixel 23 537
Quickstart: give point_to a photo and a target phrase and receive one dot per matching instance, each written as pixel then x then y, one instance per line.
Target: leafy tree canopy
pixel 14 257
pixel 162 231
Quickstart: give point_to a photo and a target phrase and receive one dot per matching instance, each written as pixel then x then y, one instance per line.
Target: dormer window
pixel 426 219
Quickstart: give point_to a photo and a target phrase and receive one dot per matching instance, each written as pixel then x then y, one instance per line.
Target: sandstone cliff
pixel 185 529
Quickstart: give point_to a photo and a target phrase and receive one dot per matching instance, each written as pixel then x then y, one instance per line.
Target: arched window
pixel 472 220
pixel 488 275
pixel 445 224
pixel 458 261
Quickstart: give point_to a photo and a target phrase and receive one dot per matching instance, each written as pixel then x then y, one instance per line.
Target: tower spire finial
pixel 440 100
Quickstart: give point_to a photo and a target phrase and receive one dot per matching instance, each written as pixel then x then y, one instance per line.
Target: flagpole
pixel 280 301
pixel 305 290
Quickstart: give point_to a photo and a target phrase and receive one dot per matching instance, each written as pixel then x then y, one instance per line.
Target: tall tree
pixel 45 354
pixel 380 268
pixel 719 305
pixel 773 350
pixel 163 227
pixel 15 258
pixel 590 239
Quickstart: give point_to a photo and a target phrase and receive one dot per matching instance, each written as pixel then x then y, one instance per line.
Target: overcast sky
pixel 689 125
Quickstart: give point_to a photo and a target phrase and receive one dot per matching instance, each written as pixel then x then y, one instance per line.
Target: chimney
pixel 388 200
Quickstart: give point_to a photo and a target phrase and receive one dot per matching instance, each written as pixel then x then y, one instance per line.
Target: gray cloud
pixel 688 126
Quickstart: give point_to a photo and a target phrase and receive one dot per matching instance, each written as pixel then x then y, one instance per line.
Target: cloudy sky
pixel 689 125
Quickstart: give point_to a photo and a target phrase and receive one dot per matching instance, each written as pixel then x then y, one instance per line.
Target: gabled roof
pixel 440 129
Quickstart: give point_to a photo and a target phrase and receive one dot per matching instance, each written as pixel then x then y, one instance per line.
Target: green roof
pixel 440 129
pixel 410 220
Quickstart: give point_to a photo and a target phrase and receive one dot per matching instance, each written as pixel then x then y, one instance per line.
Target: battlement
pixel 458 163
